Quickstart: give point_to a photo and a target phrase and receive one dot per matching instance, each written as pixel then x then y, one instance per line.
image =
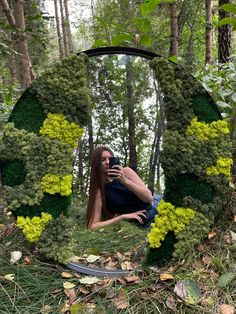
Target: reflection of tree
pixel 124 115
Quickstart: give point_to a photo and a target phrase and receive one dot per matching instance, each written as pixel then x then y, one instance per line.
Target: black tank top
pixel 120 200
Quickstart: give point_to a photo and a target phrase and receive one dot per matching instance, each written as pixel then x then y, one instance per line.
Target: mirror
pixel 126 115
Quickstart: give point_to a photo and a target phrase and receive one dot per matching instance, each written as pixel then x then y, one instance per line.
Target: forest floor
pixel 204 282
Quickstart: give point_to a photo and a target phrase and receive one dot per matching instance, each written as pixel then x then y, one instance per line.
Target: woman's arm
pixel 132 181
pixel 96 220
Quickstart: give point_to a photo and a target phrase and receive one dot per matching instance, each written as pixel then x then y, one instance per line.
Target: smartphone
pixel 114 161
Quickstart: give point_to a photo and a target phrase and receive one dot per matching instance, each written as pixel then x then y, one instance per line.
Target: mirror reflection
pixel 126 115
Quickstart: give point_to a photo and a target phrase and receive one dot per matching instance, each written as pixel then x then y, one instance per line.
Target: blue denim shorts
pixel 151 212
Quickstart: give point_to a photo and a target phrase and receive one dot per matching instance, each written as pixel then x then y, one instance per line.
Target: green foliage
pixel 63 89
pixel 226 279
pixel 56 241
pixel 28 114
pixel 148 6
pixel 230 8
pixel 13 172
pixel 205 108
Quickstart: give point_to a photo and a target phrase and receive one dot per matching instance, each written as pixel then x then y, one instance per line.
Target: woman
pixel 115 194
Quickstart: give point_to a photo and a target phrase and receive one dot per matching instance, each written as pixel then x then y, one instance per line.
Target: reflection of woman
pixel 116 194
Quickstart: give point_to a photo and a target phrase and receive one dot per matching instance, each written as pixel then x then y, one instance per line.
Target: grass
pixel 37 286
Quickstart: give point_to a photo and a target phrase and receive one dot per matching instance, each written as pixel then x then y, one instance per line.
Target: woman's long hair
pixel 97 181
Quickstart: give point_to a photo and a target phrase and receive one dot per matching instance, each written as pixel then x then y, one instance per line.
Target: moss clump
pixel 205 108
pixel 28 114
pixel 13 172
pixel 51 204
pixel 180 186
pixel 63 89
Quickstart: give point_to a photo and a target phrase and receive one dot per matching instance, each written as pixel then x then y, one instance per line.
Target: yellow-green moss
pixel 57 127
pixel 223 166
pixel 52 184
pixel 32 228
pixel 170 218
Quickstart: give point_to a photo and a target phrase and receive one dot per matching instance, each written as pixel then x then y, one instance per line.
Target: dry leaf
pixel 207 260
pixel 112 263
pixel 227 239
pixel 77 276
pixel 121 301
pixel 75 259
pixel 89 280
pixel 46 309
pixel 92 258
pixel 208 301
pixel 84 290
pixel 65 274
pixel 234 218
pixel 227 309
pixel 15 256
pixel 233 236
pixel 166 276
pixel 203 248
pixel 56 291
pixel 71 294
pixel 170 303
pixel 122 281
pixel 126 265
pixel 27 260
pixel 68 285
pixel 211 235
pixel 132 278
pixel 9 277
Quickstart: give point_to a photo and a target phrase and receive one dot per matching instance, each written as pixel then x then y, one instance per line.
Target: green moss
pixel 51 204
pixel 13 172
pixel 205 108
pixel 28 113
pixel 180 186
pixel 163 254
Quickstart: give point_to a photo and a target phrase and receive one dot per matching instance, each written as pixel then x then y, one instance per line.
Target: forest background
pixel 199 35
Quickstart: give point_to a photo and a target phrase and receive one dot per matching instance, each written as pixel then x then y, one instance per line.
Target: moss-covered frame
pixel 47 121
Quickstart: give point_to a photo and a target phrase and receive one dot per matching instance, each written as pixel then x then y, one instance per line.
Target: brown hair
pixel 97 182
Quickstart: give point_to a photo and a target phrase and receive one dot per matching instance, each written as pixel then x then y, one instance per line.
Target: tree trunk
pixel 59 38
pixel 224 36
pixel 131 119
pixel 65 40
pixel 67 27
pixel 173 31
pixel 208 55
pixel 17 22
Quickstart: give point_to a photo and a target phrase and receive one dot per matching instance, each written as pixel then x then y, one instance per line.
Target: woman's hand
pixel 117 173
pixel 139 215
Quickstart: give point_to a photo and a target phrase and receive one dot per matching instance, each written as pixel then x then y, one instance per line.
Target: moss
pixel 162 255
pixel 205 108
pixel 51 204
pixel 28 113
pixel 180 186
pixel 13 172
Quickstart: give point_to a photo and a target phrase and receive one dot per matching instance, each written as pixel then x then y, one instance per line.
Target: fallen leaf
pixel 89 280
pixel 188 291
pixel 56 291
pixel 15 256
pixel 121 301
pixel 9 277
pixel 27 260
pixel 68 285
pixel 170 303
pixel 76 258
pixel 227 239
pixel 234 218
pixel 121 230
pixel 126 265
pixel 71 294
pixel 207 260
pixel 122 281
pixel 203 248
pixel 226 279
pixel 227 309
pixel 46 309
pixel 233 236
pixel 112 263
pixel 165 276
pixel 92 258
pixel 10 228
pixel 84 290
pixel 211 235
pixel 77 276
pixel 65 274
pixel 208 301
pixel 132 278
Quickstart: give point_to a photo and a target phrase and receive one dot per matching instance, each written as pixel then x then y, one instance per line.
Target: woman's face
pixel 105 159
